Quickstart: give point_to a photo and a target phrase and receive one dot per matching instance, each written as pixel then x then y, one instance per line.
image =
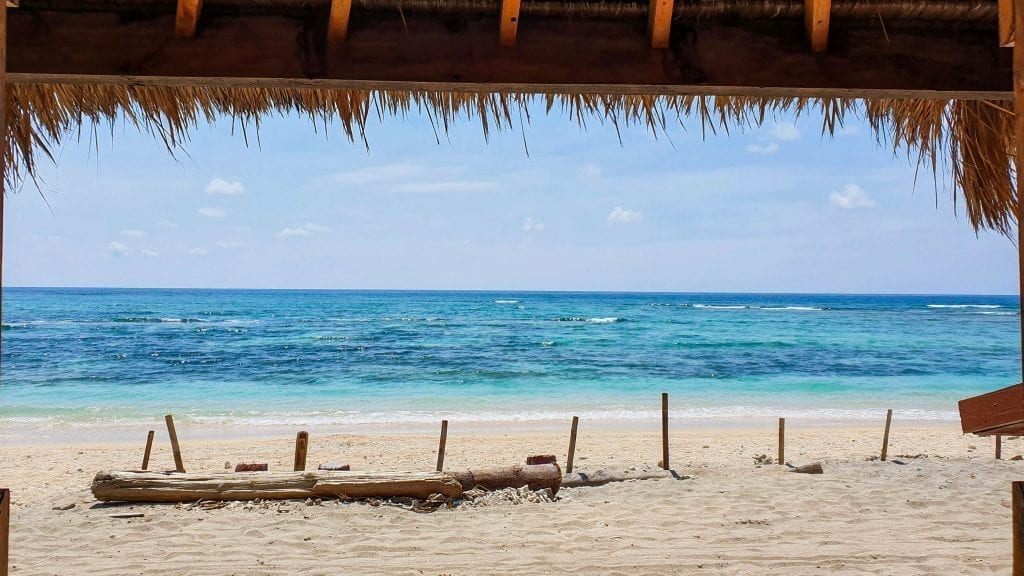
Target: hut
pixel 934 77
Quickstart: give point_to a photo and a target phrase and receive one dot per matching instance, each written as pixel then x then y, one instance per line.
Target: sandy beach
pixel 939 506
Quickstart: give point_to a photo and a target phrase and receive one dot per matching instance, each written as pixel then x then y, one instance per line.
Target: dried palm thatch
pixel 972 141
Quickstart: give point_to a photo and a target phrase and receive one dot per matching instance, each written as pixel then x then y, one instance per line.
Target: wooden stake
pixel 885 435
pixel 782 441
pixel 999 447
pixel 440 446
pixel 301 444
pixel 659 22
pixel 1018 526
pixel 664 430
pixel 5 528
pixel 572 444
pixel 186 19
pixel 149 448
pixel 817 14
pixel 178 465
pixel 509 22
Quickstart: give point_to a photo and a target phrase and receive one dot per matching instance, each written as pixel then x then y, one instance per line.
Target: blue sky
pixel 771 209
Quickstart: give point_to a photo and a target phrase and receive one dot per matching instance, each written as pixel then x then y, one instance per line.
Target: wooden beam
pixel 509 22
pixel 659 22
pixel 1006 28
pixel 591 55
pixel 817 14
pixel 187 18
pixel 337 23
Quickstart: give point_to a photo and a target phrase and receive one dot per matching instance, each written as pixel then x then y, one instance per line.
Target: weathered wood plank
pixel 741 58
pixel 1001 411
pixel 173 487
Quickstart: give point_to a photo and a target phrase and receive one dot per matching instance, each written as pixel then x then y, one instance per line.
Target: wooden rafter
pixel 509 21
pixel 337 24
pixel 817 14
pixel 1006 27
pixel 659 22
pixel 187 18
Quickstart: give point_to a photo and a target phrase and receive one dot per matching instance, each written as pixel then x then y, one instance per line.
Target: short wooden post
pixel 301 444
pixel 175 449
pixel 782 441
pixel 572 444
pixel 5 528
pixel 441 445
pixel 1018 528
pixel 664 430
pixel 999 447
pixel 885 435
pixel 149 448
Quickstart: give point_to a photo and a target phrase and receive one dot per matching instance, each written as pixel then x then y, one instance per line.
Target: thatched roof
pixel 972 141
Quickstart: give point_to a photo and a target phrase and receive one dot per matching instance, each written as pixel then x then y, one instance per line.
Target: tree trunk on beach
pixel 537 477
pixel 173 487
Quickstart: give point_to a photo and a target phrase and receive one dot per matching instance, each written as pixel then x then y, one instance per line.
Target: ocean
pixel 79 361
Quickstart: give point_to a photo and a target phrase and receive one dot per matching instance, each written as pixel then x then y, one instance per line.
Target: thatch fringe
pixel 972 141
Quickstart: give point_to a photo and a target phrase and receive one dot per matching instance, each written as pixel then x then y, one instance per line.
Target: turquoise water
pixel 95 357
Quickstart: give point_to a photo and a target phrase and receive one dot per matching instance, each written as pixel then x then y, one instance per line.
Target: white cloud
pixel 149 253
pixel 589 170
pixel 197 252
pixel 218 186
pixel 166 224
pixel 229 244
pixel 117 250
pixel 620 214
pixel 530 225
pixel 785 132
pixel 851 197
pixel 211 212
pixel 769 148
pixel 306 230
pixel 133 233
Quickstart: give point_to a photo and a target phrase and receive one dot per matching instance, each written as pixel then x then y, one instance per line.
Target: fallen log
pixel 174 487
pixel 605 476
pixel 814 468
pixel 536 477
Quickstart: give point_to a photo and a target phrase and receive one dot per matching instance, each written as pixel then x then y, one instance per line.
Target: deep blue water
pixel 95 356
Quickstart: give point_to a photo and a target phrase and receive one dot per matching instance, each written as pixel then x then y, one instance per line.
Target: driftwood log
pixel 174 487
pixel 605 476
pixel 536 477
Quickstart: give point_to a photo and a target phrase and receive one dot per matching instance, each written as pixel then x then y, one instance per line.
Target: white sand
pixel 946 513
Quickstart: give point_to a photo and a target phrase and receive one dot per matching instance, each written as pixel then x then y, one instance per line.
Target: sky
pixel 548 206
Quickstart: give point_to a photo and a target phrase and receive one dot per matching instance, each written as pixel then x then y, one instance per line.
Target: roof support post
pixel 509 22
pixel 1018 132
pixel 337 24
pixel 659 22
pixel 187 18
pixel 817 14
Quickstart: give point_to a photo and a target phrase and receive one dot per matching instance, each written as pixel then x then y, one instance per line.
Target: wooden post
pixel 1018 526
pixel 817 14
pixel 186 19
pixel 149 448
pixel 885 435
pixel 782 441
pixel 664 430
pixel 999 447
pixel 572 444
pixel 301 444
pixel 440 446
pixel 5 528
pixel 337 23
pixel 509 22
pixel 659 22
pixel 178 465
